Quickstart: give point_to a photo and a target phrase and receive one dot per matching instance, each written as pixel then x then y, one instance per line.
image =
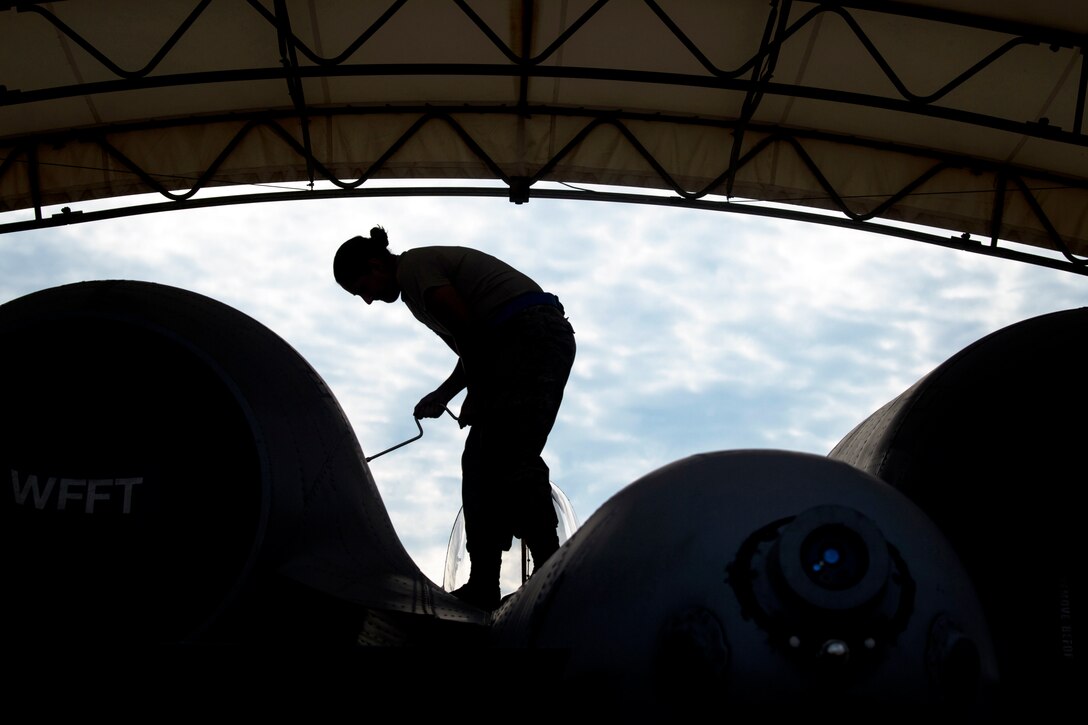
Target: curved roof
pixel 963 115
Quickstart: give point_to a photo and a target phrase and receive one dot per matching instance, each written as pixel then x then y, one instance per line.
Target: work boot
pixel 482 589
pixel 484 596
pixel 542 547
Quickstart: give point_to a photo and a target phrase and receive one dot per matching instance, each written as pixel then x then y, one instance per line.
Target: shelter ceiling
pixel 965 115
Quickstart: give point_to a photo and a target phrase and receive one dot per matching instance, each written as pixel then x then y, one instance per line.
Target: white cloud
pixel 696 330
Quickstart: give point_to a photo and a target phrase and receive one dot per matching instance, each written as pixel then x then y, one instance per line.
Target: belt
pixel 523 302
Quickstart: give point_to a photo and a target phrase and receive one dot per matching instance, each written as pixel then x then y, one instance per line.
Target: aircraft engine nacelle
pixel 767 580
pixel 177 472
pixel 991 445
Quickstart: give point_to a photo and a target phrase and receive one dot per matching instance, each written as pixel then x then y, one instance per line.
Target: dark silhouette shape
pixel 177 473
pixel 515 349
pixel 989 444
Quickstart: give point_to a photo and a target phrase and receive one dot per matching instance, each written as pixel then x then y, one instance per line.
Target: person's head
pixel 365 267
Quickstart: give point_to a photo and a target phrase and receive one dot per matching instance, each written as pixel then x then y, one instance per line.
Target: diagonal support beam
pixel 289 60
pixel 762 72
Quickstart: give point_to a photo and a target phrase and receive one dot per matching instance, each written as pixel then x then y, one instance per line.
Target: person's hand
pixel 431 405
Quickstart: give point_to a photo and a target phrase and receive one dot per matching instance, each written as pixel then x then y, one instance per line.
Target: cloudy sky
pixel 696 330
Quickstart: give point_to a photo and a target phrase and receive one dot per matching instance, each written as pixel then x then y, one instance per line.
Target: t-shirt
pixel 484 282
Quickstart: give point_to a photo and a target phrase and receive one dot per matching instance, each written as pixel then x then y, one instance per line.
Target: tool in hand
pixel 404 443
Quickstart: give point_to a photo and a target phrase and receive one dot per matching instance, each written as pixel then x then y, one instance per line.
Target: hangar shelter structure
pixel 965 117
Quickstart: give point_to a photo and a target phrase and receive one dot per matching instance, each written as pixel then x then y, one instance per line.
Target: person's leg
pixel 539 352
pixel 506 489
pixel 482 509
pixel 529 491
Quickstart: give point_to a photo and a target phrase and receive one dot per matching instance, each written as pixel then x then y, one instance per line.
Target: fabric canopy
pixel 964 115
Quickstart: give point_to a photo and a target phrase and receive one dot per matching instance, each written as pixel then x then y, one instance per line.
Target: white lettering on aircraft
pixel 72 493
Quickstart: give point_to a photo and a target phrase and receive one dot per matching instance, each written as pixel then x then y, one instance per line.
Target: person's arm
pixel 447 306
pixel 451 311
pixel 434 403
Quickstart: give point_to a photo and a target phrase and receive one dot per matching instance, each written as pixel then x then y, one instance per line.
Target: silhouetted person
pixel 515 349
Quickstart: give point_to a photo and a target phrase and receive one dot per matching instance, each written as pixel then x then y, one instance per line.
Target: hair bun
pixel 378 235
